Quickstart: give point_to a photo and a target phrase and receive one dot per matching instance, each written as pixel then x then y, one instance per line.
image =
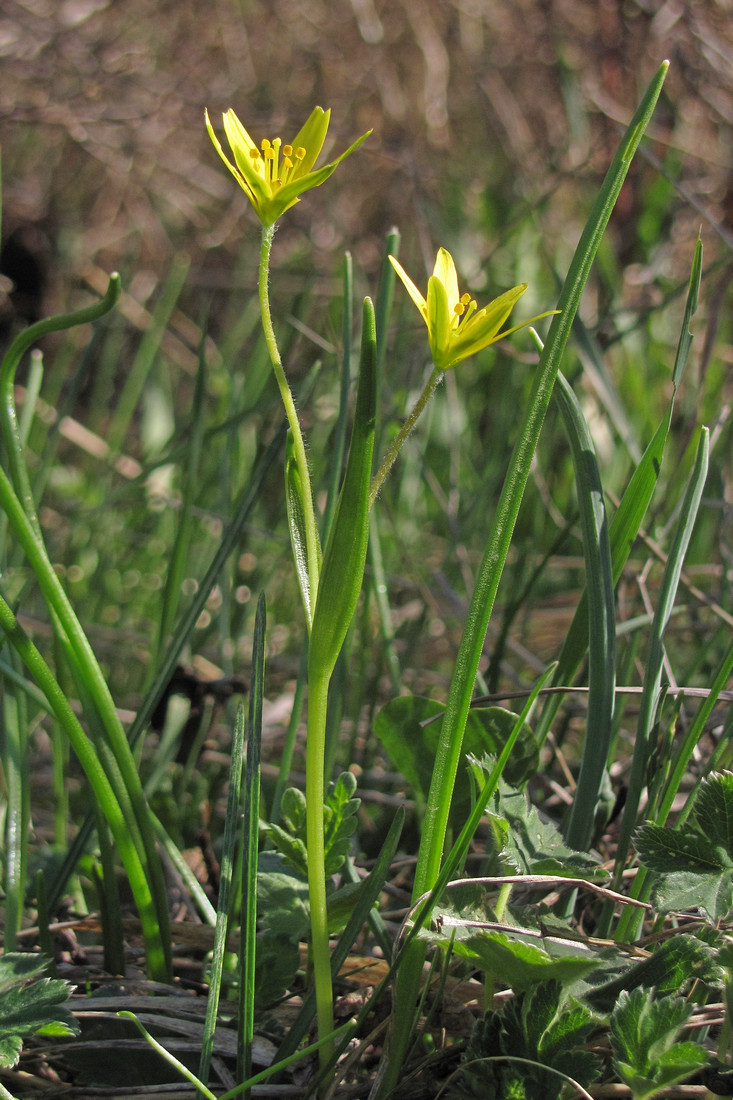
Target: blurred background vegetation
pixel 493 126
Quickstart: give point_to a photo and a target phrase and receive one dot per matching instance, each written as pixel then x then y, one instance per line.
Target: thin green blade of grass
pixel 17 777
pixel 103 791
pixel 651 688
pixel 144 361
pixel 9 433
pixel 250 841
pixel 491 568
pixel 601 618
pixel 342 421
pixel 190 480
pixel 229 541
pixel 630 512
pixel 231 832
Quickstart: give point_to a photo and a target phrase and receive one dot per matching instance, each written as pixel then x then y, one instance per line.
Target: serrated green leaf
pixel 672 852
pixel 675 962
pixel 522 965
pixel 30 1004
pixel 543 1026
pixel 644 1032
pixel 711 894
pixel 712 812
pixel 409 728
pixel 533 845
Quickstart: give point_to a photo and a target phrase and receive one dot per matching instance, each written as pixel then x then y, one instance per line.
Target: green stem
pixel 405 430
pixel 314 795
pixel 311 533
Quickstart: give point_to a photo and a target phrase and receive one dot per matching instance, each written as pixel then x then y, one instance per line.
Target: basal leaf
pixel 533 844
pixel 644 1030
pixel 712 813
pixel 675 963
pixel 409 728
pixel 520 964
pixel 713 894
pixel 670 851
pixel 30 1004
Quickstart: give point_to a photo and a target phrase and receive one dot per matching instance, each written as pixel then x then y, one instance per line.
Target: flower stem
pixel 311 533
pixel 407 427
pixel 314 793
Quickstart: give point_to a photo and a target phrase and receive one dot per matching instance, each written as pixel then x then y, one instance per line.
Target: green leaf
pixel 339 816
pixel 694 863
pixel 532 845
pixel 644 1033
pixel 674 964
pixel 29 1004
pixel 672 852
pixel 345 554
pixel 522 965
pixel 410 729
pixel 712 813
pixel 543 1026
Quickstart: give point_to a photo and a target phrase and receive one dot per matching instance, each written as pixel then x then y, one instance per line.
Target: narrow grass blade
pixel 601 618
pixel 103 791
pixel 491 568
pixel 342 422
pixel 230 540
pixel 630 513
pixel 250 839
pixel 231 832
pixel 189 482
pixel 345 553
pixel 143 363
pixel 653 669
pixel 16 773
pixel 9 432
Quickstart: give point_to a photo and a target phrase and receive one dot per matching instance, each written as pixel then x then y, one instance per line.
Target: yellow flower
pixel 457 328
pixel 273 175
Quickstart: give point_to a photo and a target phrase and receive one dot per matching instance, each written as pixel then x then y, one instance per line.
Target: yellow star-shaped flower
pixel 457 328
pixel 273 175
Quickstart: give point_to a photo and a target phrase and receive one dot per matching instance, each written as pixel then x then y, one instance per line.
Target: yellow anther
pixel 287 162
pixel 300 153
pixel 265 144
pixel 277 142
pixel 465 298
pixel 269 153
pixel 459 308
pixel 254 154
pixel 287 150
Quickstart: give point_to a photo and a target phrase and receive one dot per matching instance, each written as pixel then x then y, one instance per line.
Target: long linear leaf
pixel 487 582
pixel 601 618
pixel 630 512
pixel 651 688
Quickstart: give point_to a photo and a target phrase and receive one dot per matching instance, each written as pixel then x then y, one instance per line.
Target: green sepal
pixel 345 553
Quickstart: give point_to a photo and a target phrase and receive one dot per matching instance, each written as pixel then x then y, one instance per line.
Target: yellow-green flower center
pixel 277 171
pixel 463 309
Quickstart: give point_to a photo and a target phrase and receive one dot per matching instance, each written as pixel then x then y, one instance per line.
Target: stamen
pixel 300 153
pixel 254 154
pixel 287 150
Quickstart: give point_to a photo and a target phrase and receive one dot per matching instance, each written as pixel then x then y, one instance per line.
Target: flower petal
pixel 445 270
pixel 311 137
pixel 481 329
pixel 411 289
pixel 439 323
pixel 232 168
